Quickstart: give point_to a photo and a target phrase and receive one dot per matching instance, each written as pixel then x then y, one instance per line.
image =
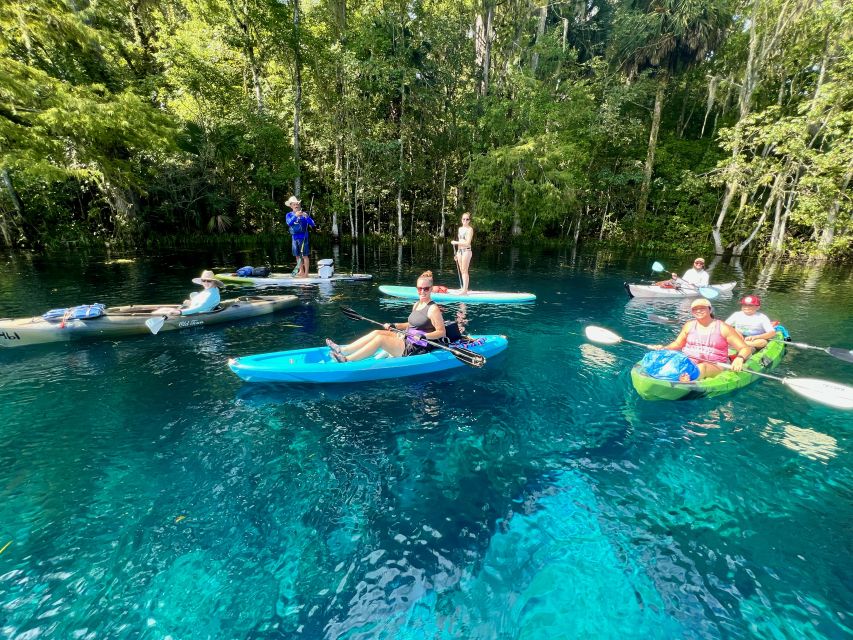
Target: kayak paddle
pixel 463 355
pixel 832 394
pixel 155 324
pixel 706 292
pixel 835 352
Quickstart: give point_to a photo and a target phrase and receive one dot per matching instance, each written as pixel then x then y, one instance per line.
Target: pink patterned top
pixel 706 347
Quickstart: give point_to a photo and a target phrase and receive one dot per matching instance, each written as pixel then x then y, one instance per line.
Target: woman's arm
pixel 438 322
pixel 736 342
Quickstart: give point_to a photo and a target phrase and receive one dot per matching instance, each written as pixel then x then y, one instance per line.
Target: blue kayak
pixel 316 365
pixel 453 295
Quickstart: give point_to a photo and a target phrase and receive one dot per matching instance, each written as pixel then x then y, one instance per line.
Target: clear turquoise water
pixel 148 493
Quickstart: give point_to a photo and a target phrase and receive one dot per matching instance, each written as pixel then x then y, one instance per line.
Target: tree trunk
pixel 828 235
pixel 540 33
pixel 400 166
pixel 650 155
pixel 297 99
pixel 604 218
pixel 352 228
pixel 443 197
pixel 760 47
pixel 483 45
pixel 242 19
pixel 16 202
pixel 516 218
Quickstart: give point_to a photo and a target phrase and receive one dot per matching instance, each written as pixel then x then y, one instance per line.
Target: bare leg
pixel 354 346
pixel 756 343
pixel 708 370
pixel 393 344
pixel 464 263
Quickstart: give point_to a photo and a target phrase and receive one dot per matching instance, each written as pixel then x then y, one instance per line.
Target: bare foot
pixel 334 347
pixel 684 377
pixel 339 357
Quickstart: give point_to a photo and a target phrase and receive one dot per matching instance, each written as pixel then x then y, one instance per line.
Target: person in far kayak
pixel 706 341
pixel 424 322
pixel 299 223
pixel 198 302
pixel 754 326
pixel 463 251
pixel 697 276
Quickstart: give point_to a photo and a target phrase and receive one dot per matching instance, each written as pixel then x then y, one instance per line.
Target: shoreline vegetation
pixel 721 127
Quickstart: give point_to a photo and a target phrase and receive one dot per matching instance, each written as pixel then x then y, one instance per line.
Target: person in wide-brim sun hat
pixel 208 276
pixel 198 302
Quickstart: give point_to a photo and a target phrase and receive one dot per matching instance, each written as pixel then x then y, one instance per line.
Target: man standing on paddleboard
pixel 299 223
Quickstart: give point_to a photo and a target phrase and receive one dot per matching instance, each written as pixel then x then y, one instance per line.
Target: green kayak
pixel 762 361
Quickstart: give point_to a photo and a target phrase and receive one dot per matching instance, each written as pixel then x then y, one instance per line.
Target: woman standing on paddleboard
pixel 463 251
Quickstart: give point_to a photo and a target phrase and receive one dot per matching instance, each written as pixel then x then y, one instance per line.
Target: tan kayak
pixel 131 320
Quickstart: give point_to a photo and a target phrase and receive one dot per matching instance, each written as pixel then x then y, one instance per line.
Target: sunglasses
pixel 424 288
pixel 697 309
pixel 207 280
pixel 699 263
pixel 466 219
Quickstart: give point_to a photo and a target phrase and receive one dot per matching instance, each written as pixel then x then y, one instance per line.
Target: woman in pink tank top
pixel 706 341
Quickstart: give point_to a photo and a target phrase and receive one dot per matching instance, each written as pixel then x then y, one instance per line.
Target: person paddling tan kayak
pixel 198 302
pixel 706 341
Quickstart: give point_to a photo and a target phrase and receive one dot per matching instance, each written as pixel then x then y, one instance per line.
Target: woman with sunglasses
pixel 697 276
pixel 463 251
pixel 424 322
pixel 706 341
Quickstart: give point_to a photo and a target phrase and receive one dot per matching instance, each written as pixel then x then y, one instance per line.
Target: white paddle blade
pixel 657 267
pixel 155 324
pixel 601 335
pixel 832 394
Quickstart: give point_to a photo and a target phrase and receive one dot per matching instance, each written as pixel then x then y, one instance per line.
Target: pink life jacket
pixel 706 347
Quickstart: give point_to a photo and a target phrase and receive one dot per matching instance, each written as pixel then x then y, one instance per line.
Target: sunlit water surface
pixel 146 492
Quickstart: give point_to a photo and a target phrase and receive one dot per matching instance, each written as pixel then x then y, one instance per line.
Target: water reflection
pixel 808 442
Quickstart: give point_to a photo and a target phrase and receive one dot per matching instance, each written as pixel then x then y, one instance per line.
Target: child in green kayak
pixel 755 327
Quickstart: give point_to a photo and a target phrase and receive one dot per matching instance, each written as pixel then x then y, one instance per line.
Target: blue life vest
pixel 82 312
pixel 668 365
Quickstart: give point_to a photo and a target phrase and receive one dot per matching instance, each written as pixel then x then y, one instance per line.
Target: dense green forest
pixel 723 124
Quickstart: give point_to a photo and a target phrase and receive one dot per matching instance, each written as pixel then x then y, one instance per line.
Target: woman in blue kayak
pixel 463 251
pixel 200 302
pixel 425 322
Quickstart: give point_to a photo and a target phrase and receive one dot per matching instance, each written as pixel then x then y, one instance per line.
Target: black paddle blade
pixel 351 313
pixel 468 357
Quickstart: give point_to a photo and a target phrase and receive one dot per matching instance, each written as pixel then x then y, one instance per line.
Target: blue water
pixel 148 493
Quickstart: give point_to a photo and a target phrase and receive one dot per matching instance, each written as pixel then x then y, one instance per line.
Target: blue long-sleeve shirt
pixel 299 224
pixel 202 302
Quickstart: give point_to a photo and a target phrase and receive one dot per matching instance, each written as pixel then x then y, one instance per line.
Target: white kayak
pixel 287 279
pixel 657 291
pixel 454 295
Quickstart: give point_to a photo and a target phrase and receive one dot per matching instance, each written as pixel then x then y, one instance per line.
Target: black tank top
pixel 418 318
